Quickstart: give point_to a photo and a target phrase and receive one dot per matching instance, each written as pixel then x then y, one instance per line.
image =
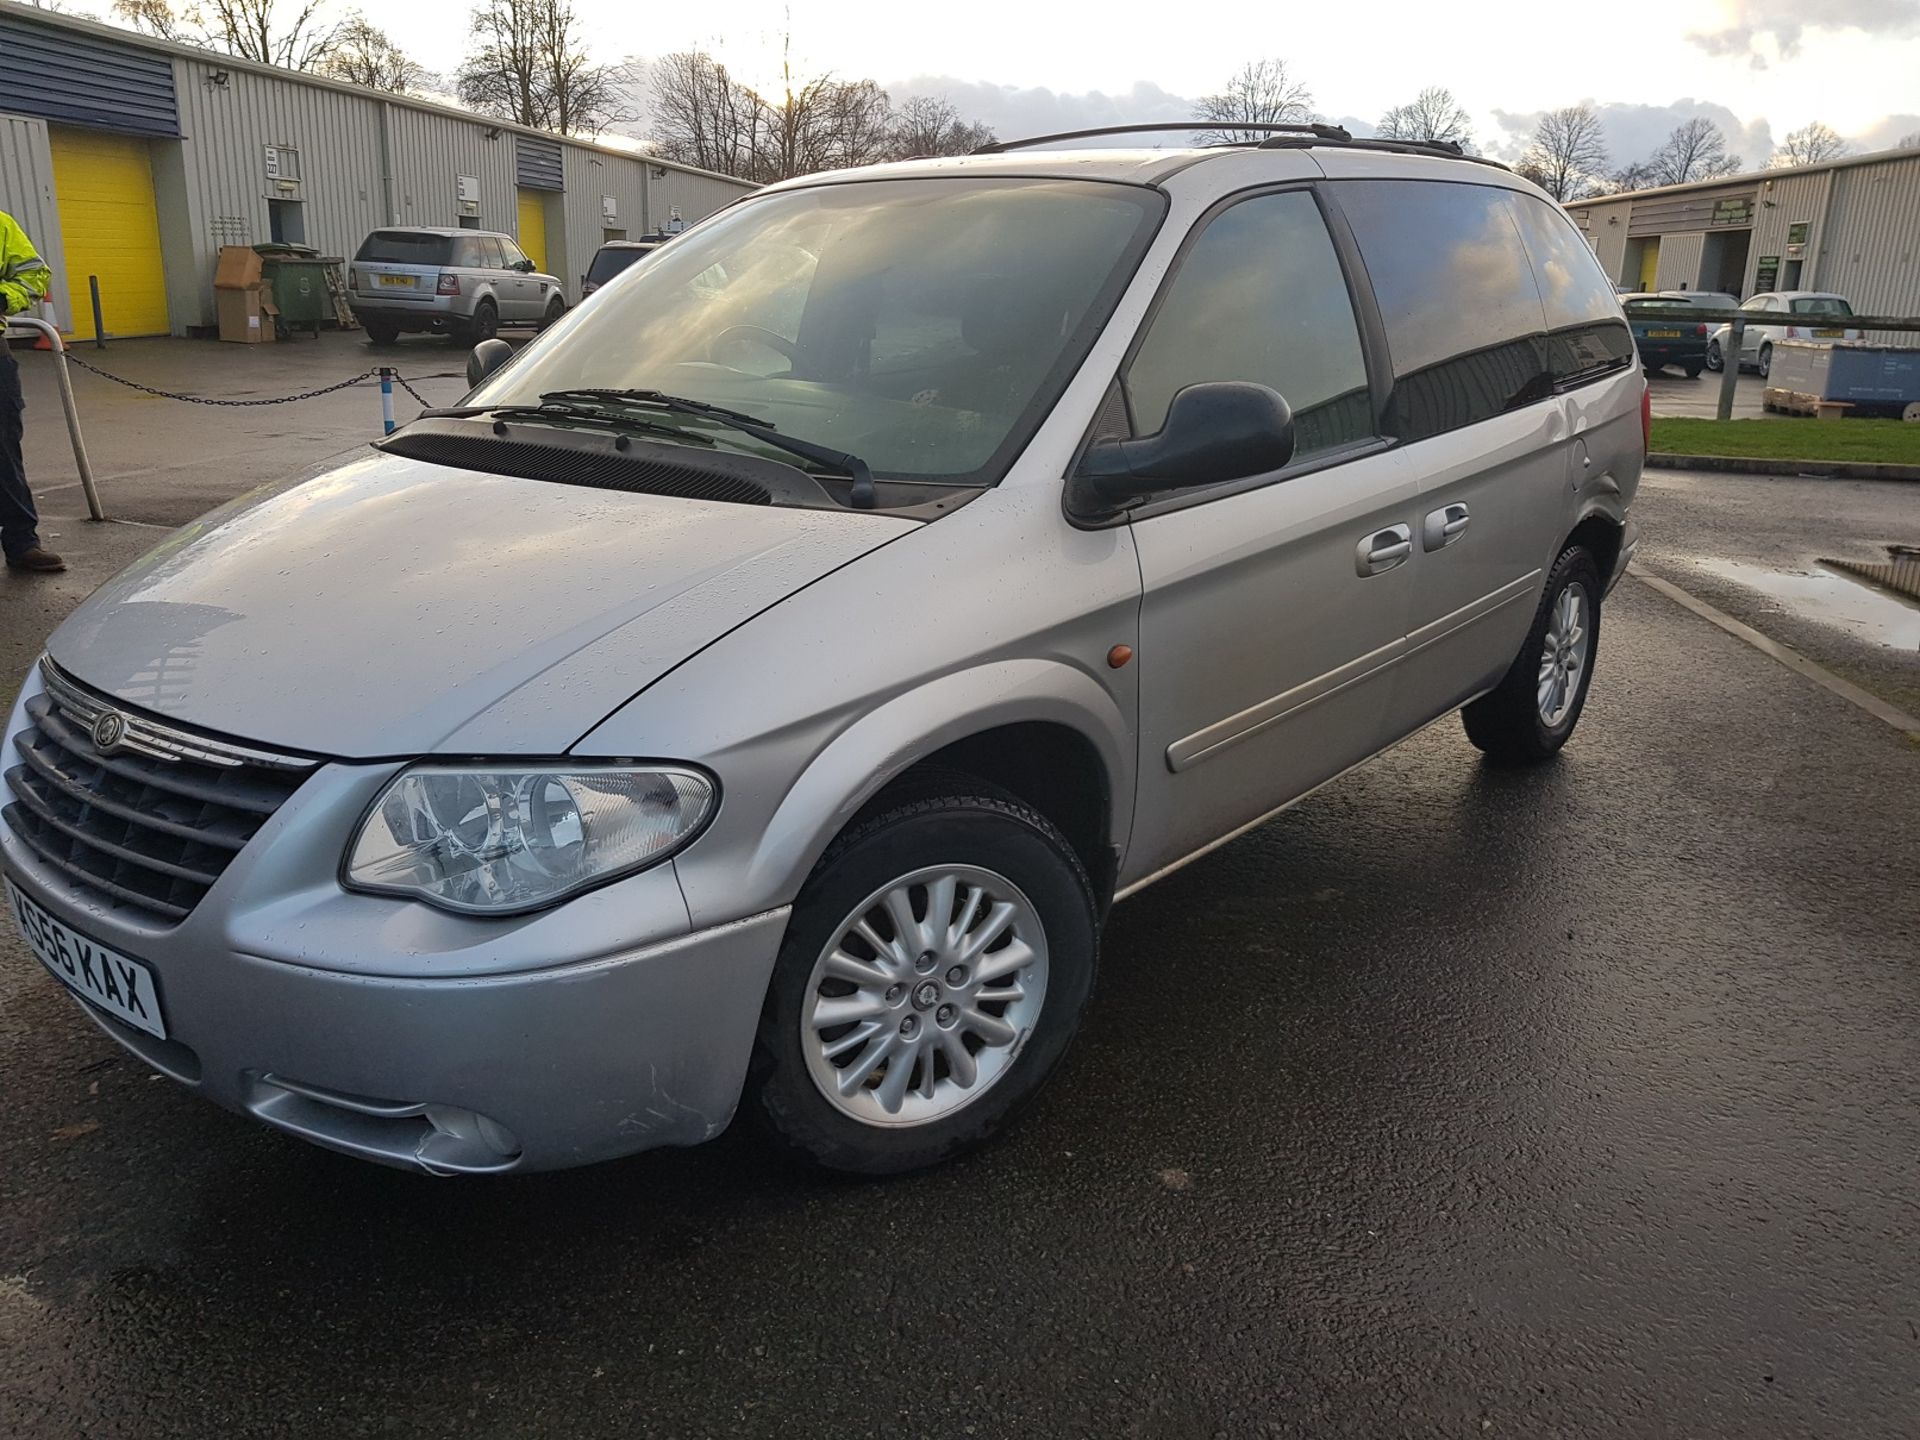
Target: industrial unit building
pixel 134 161
pixel 1851 226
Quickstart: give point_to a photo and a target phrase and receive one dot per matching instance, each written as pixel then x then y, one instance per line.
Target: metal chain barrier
pixel 363 377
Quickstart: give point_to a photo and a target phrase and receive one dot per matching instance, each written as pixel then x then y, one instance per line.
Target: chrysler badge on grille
pixel 109 729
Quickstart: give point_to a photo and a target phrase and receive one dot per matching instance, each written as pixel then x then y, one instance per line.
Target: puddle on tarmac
pixel 1857 606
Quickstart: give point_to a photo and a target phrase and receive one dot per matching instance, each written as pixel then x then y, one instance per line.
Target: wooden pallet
pixel 1795 402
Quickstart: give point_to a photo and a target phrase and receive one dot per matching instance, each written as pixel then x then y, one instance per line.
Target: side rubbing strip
pixel 1204 744
pixel 1476 610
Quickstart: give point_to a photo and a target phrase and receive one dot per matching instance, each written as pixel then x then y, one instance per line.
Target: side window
pixel 486 252
pixel 511 253
pixel 1260 296
pixel 1586 338
pixel 467 254
pixel 1464 321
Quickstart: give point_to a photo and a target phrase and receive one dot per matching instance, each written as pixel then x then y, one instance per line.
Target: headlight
pixel 493 842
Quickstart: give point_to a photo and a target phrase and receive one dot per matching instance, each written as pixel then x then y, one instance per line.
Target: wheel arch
pixel 1044 731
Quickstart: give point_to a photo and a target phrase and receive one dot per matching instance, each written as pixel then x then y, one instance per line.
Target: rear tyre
pixel 1531 713
pixel 1714 358
pixel 933 974
pixel 1693 371
pixel 1766 360
pixel 378 334
pixel 556 307
pixel 485 323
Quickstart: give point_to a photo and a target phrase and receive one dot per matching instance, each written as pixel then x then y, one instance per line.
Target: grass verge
pixel 1888 442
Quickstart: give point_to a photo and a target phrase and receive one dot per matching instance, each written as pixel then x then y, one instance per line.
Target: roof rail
pixel 1452 149
pixel 1313 131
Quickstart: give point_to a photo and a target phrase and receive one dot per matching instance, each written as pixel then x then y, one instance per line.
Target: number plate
pixel 1829 334
pixel 406 280
pixel 121 987
pixel 1663 334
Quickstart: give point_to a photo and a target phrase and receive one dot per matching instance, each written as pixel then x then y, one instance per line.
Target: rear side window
pixel 1585 337
pixel 1260 296
pixel 1822 305
pixel 610 262
pixel 1464 320
pixel 406 247
pixel 467 255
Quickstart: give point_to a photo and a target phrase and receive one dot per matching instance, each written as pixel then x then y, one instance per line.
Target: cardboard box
pixel 239 268
pixel 246 316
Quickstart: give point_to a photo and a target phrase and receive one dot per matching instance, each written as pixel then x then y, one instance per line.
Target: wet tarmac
pixel 1459 1101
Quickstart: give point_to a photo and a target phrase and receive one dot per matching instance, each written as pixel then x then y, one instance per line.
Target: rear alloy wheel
pixel 934 972
pixel 1531 713
pixel 1766 360
pixel 485 323
pixel 1714 360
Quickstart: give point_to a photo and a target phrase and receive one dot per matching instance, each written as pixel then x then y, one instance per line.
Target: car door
pixel 1756 335
pixel 521 300
pixel 1273 608
pixel 1473 407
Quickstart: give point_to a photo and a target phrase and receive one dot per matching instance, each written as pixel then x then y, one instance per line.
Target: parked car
pixel 615 256
pixel 1665 333
pixel 1825 313
pixel 758 692
pixel 466 283
pixel 1703 299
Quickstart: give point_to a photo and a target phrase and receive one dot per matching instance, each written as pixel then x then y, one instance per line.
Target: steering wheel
pixel 758 334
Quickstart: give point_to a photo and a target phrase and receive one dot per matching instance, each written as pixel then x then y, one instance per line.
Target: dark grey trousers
pixel 19 521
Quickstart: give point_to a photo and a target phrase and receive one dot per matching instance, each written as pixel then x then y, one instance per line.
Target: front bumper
pixel 401 1034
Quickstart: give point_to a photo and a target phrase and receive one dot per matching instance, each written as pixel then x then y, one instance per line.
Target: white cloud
pixel 1014 111
pixel 1760 28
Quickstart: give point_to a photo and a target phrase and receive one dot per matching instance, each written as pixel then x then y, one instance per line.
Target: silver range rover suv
pixel 757 692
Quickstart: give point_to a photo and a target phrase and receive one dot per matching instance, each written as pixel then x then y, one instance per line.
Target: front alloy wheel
pixel 933 974
pixel 1714 361
pixel 919 1004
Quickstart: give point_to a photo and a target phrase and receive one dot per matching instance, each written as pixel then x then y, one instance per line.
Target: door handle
pixel 1444 526
pixel 1384 549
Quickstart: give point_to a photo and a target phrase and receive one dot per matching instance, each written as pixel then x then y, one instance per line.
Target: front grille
pixel 151 819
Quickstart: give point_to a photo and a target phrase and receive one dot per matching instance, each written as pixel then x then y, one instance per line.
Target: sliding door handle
pixel 1444 526
pixel 1384 549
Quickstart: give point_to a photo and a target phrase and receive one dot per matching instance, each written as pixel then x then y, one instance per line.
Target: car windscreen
pixel 925 325
pixel 405 247
pixel 1822 305
pixel 611 260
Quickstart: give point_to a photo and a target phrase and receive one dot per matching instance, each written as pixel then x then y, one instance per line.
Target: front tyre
pixel 1531 713
pixel 933 974
pixel 1766 360
pixel 1714 360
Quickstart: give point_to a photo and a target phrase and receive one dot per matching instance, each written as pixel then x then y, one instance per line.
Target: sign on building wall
pixel 1766 274
pixel 609 208
pixel 1737 211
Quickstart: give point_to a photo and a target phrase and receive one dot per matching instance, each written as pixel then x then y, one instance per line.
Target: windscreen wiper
pixel 857 470
pixel 559 410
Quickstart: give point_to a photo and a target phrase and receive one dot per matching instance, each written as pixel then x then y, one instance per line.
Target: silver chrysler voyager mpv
pixel 763 684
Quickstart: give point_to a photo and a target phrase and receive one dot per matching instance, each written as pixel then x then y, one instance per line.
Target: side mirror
pixel 487 357
pixel 525 267
pixel 1216 431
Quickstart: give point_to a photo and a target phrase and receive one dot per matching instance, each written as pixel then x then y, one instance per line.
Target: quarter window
pixel 1260 297
pixel 1586 338
pixel 1463 317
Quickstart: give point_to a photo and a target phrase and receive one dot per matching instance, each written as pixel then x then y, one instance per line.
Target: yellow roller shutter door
pixel 104 187
pixel 533 227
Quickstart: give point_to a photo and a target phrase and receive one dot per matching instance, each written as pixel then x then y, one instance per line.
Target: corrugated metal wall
pixel 1871 250
pixel 698 196
pixel 1688 210
pixel 89 80
pixel 591 175
pixel 26 193
pixel 431 151
pixel 1786 201
pixel 224 188
pixel 1680 261
pixel 1609 241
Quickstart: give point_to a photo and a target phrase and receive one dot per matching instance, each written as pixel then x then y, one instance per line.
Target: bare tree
pixel 1696 150
pixel 157 18
pixel 931 125
pixel 1640 175
pixel 702 116
pixel 364 54
pixel 1809 145
pixel 1432 115
pixel 293 34
pixel 1261 92
pixel 1568 153
pixel 529 65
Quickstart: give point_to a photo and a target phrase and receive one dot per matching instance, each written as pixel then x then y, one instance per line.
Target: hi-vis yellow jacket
pixel 24 276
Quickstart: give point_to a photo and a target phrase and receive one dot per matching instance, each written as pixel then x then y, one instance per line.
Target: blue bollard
pixel 386 399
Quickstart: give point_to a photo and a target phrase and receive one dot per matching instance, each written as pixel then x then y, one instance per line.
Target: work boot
pixel 39 560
